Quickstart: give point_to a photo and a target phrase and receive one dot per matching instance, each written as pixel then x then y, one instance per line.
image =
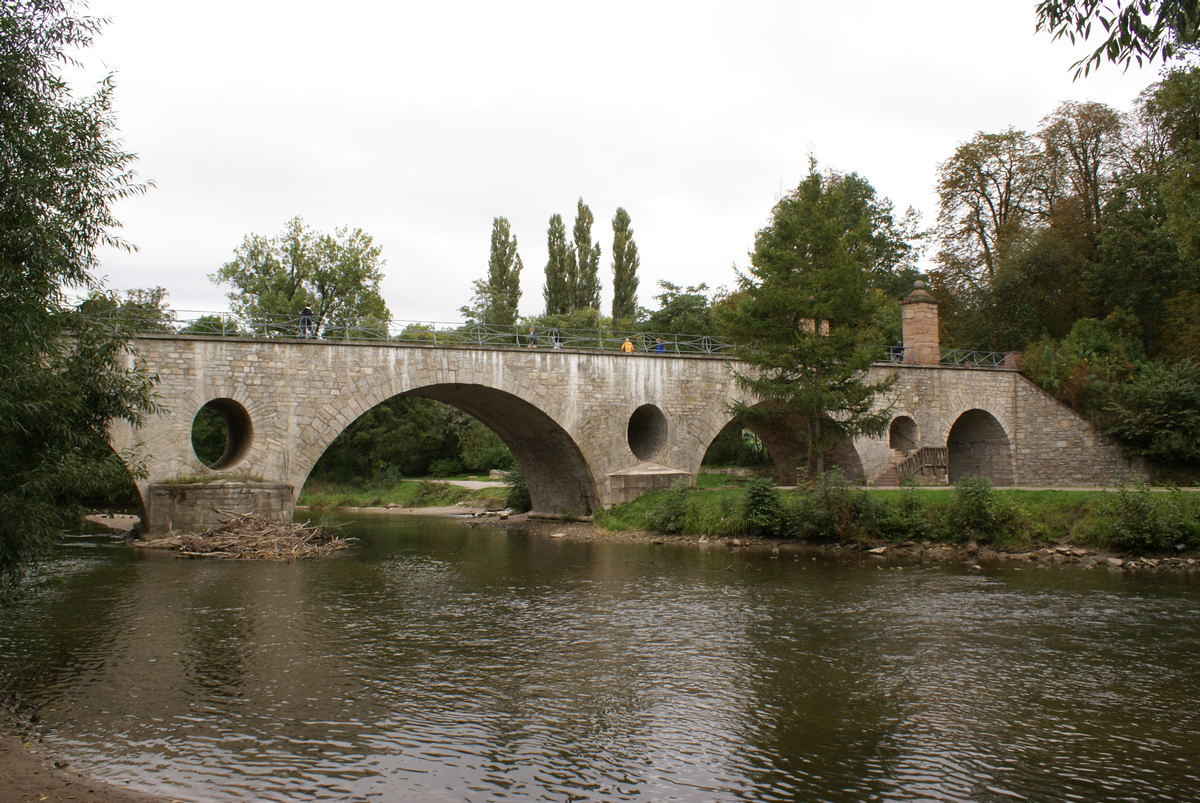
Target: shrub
pixel 833 510
pixel 976 513
pixel 445 467
pixel 1140 520
pixel 670 513
pixel 762 509
pixel 906 518
pixel 518 499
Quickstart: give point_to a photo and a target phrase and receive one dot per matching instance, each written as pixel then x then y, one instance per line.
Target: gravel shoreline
pixel 908 552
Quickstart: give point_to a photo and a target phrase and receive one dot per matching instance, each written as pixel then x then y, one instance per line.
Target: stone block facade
pixel 589 428
pixel 198 506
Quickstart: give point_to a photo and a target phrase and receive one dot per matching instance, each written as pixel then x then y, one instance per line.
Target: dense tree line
pixel 1078 245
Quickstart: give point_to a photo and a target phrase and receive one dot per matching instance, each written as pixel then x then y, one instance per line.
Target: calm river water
pixel 442 662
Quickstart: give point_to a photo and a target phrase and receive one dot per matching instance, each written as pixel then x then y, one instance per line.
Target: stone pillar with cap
pixel 919 318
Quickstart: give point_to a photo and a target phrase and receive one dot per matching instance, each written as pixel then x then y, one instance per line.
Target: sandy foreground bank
pixel 29 772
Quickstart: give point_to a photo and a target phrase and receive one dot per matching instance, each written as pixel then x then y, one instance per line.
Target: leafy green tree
pixel 223 325
pixel 801 316
pixel 1181 198
pixel 684 311
pixel 1174 105
pixel 337 273
pixel 64 376
pixel 1037 292
pixel 1135 30
pixel 987 196
pixel 1181 316
pixel 1082 369
pixel 1082 149
pixel 142 310
pixel 625 267
pixel 481 449
pixel 405 436
pixel 558 289
pixel 1138 265
pixel 1157 414
pixel 584 261
pixel 496 299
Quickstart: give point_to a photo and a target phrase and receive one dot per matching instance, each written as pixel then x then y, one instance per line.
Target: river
pixel 445 662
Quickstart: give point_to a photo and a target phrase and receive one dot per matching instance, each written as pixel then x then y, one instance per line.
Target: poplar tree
pixel 557 290
pixel 625 265
pixel 496 298
pixel 585 261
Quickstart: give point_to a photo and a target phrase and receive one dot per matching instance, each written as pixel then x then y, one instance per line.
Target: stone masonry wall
pixel 566 415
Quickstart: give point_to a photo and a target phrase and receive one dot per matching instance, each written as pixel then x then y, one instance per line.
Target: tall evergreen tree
pixel 585 261
pixel 801 318
pixel 625 265
pixel 557 290
pixel 496 298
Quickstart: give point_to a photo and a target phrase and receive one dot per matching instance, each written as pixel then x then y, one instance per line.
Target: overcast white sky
pixel 421 121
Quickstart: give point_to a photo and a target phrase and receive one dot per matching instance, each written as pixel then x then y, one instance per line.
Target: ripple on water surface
pixel 449 663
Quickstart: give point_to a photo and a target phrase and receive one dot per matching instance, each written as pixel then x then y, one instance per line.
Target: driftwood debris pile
pixel 249 537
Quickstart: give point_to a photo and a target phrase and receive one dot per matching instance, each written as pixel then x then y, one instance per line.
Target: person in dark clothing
pixel 307 327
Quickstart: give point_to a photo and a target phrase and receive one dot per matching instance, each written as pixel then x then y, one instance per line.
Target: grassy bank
pixel 405 493
pixel 1135 520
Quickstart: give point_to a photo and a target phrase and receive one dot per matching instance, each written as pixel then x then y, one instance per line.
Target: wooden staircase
pixel 929 464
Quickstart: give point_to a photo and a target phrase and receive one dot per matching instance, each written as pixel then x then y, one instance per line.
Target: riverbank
pixel 971 554
pixel 30 772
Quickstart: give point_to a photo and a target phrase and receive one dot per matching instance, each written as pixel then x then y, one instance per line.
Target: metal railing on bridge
pixel 981 359
pixel 226 324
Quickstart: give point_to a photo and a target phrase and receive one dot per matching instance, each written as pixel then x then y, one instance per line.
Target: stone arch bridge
pixel 589 428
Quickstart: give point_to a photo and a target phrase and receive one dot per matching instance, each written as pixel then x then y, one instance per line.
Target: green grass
pixel 1001 517
pixel 406 493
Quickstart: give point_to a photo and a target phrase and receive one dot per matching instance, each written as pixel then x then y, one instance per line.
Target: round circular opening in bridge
pixel 647 431
pixel 221 433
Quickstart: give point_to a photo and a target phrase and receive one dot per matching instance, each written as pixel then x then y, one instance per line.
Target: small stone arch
pixel 903 434
pixel 977 445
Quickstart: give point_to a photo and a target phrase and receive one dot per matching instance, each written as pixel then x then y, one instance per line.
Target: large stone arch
pixel 977 445
pixel 555 469
pixel 786 441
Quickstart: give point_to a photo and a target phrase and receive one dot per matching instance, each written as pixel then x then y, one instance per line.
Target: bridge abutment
pixel 198 506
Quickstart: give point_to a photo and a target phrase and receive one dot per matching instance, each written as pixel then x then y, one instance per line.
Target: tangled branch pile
pixel 250 537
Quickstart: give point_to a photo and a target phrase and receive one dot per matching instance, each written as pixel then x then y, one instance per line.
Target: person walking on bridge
pixel 627 346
